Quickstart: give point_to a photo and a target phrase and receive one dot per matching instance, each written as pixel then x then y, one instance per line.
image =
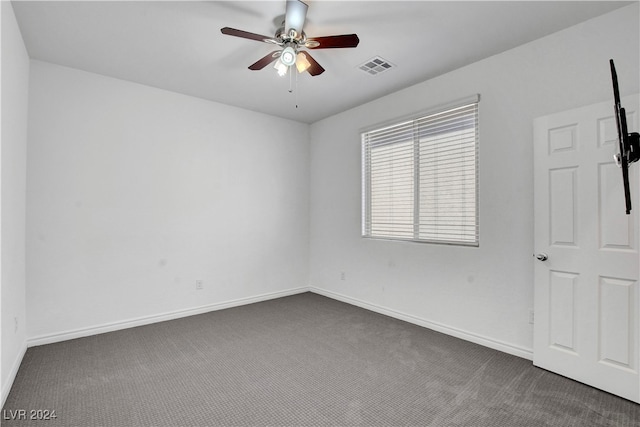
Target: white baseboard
pixel 145 320
pixel 6 387
pixel 515 350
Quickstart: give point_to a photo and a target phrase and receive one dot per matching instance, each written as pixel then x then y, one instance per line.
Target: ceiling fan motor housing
pixel 300 38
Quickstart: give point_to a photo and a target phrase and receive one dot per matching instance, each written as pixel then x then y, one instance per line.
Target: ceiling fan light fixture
pixel 302 63
pixel 288 56
pixel 282 69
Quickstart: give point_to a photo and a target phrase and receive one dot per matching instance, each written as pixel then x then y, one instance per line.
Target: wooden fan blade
pixel 333 42
pixel 315 68
pixel 263 62
pixel 244 34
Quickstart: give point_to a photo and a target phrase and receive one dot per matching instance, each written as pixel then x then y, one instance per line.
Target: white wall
pixel 135 192
pixel 483 294
pixel 13 149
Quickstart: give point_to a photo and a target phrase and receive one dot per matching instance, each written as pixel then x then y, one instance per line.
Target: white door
pixel 586 291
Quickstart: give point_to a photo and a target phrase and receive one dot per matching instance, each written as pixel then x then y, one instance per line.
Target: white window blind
pixel 420 178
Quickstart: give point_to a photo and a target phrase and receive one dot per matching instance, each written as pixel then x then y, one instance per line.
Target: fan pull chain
pixel 291 79
pixel 291 73
pixel 296 90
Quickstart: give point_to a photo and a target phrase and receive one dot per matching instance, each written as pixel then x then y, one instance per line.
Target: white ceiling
pixel 178 45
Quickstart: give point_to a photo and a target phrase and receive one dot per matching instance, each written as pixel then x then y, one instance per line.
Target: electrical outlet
pixel 15 321
pixel 199 285
pixel 343 276
pixel 531 316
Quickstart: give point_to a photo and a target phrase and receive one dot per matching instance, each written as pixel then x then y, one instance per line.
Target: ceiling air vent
pixel 376 65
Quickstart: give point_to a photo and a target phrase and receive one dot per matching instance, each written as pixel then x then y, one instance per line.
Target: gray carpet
pixel 303 360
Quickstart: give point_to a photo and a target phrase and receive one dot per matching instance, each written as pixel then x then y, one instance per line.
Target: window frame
pixel 411 120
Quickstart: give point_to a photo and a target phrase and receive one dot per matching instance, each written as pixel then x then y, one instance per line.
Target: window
pixel 420 178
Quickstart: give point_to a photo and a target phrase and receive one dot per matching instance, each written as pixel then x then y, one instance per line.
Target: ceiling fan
pixel 291 38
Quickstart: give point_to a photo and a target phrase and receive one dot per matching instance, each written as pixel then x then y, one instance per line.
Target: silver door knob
pixel 542 256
